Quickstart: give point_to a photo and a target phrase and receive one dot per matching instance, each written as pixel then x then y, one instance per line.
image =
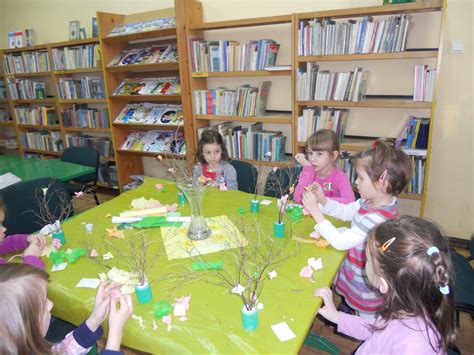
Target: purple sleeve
pixel 110 352
pixel 306 178
pixel 33 261
pixel 344 187
pixel 354 326
pixel 13 243
pixel 86 337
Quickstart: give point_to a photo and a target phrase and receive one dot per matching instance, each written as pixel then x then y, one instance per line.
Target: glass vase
pixel 194 192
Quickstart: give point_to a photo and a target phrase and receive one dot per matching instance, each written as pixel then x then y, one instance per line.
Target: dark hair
pixel 414 278
pixel 2 205
pixel 384 156
pixel 325 140
pixel 211 136
pixel 22 309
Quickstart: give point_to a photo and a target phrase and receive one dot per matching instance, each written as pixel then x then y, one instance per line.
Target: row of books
pixel 102 144
pixel 149 86
pixel 414 134
pixel 76 57
pixel 316 118
pixel 42 140
pixel 83 88
pixel 42 116
pixel 329 37
pixel 26 89
pixel 26 62
pixel 81 116
pixel 8 142
pixel 148 55
pixel 150 114
pixel 313 84
pixel 4 115
pixel 144 26
pixel 252 142
pixel 217 56
pixel 156 141
pixel 423 84
pixel 245 101
pixel 3 90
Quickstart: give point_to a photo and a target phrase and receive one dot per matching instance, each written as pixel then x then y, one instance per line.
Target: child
pixel 323 149
pixel 25 311
pixel 213 161
pixel 383 172
pixel 408 260
pixel 33 244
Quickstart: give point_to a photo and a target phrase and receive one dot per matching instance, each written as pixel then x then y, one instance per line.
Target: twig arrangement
pixel 282 181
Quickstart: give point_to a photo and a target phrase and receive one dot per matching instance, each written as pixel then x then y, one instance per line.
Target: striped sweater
pixel 352 282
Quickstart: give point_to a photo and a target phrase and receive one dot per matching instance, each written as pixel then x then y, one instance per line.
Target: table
pixel 214 319
pixel 29 169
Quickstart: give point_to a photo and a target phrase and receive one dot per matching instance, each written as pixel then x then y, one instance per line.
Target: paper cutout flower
pixel 107 256
pixel 272 274
pixel 172 208
pixel 222 186
pixel 155 327
pixel 78 194
pixel 167 321
pixel 306 271
pixel 158 186
pixel 45 191
pixel 115 233
pixel 275 169
pixel 172 170
pixel 181 306
pixel 56 244
pixel 239 289
pixel 260 306
pixel 316 264
pixel 94 253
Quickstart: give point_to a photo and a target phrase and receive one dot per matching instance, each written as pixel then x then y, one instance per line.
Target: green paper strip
pixel 173 214
pixel 161 308
pixel 199 265
pixel 154 222
pixel 241 210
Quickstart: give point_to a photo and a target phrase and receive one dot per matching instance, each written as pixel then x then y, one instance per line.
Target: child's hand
pixel 301 159
pixel 316 189
pixel 328 310
pixel 36 247
pixel 310 203
pixel 101 304
pixel 118 316
pixel 37 238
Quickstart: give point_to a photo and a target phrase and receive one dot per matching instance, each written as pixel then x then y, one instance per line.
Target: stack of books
pixel 77 57
pixel 149 55
pixel 328 37
pixel 419 169
pixel 313 84
pixel 41 116
pixel 151 114
pixel 136 27
pixel 245 101
pixel 81 116
pixel 83 88
pixel 156 141
pixel 218 56
pixel 26 89
pixel 149 86
pixel 42 140
pixel 316 118
pixel 26 62
pixel 102 144
pixel 423 83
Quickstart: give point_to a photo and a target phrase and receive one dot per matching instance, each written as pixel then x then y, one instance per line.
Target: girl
pixel 323 149
pixel 408 260
pixel 26 312
pixel 383 172
pixel 33 244
pixel 213 161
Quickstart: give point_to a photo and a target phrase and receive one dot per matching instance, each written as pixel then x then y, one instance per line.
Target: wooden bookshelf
pixel 41 151
pixel 131 162
pixel 34 101
pixel 32 126
pixel 242 73
pixel 150 154
pixel 77 71
pixel 83 101
pixel 370 56
pixel 78 129
pixel 250 22
pixel 8 123
pixel 370 103
pixel 32 74
pixel 278 119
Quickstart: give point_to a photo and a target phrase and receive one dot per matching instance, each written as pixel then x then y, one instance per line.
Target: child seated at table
pixel 408 260
pixel 33 244
pixel 213 161
pixel 25 315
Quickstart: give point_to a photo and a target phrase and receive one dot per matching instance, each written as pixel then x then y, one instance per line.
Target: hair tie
pixel 374 144
pixel 387 244
pixel 444 289
pixel 432 250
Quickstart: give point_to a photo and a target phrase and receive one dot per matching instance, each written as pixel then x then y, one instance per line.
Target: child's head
pixel 2 218
pixel 211 148
pixel 25 309
pixel 322 148
pixel 382 169
pixel 408 259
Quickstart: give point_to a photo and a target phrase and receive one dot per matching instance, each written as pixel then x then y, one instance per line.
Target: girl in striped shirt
pixel 383 172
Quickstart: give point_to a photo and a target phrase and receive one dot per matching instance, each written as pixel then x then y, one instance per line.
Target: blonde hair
pixel 323 140
pixel 22 308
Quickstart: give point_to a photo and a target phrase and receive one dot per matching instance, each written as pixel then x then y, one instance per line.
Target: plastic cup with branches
pixel 282 182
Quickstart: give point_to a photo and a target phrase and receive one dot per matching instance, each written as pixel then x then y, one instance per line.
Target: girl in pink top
pixel 408 260
pixel 322 148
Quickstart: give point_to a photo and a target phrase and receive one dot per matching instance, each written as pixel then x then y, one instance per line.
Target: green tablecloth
pixel 214 319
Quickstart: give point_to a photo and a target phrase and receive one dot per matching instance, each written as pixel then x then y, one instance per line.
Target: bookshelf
pixel 130 162
pixel 381 113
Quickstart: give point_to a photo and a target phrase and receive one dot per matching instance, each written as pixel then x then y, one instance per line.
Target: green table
pixel 214 319
pixel 29 169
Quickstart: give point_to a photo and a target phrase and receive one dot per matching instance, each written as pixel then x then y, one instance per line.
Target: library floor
pixel 465 340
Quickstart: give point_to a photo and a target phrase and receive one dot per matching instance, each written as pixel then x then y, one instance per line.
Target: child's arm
pixel 118 317
pixel 344 187
pixel 230 177
pixel 355 326
pixel 305 179
pixel 13 243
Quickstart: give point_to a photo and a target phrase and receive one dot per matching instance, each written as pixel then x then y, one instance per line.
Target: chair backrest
pixel 463 280
pixel 83 156
pixel 284 177
pixel 247 176
pixel 21 202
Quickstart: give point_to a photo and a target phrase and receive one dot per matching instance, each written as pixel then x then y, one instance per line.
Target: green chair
pixel 247 176
pixel 279 181
pixel 318 342
pixel 464 285
pixel 88 157
pixel 21 201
